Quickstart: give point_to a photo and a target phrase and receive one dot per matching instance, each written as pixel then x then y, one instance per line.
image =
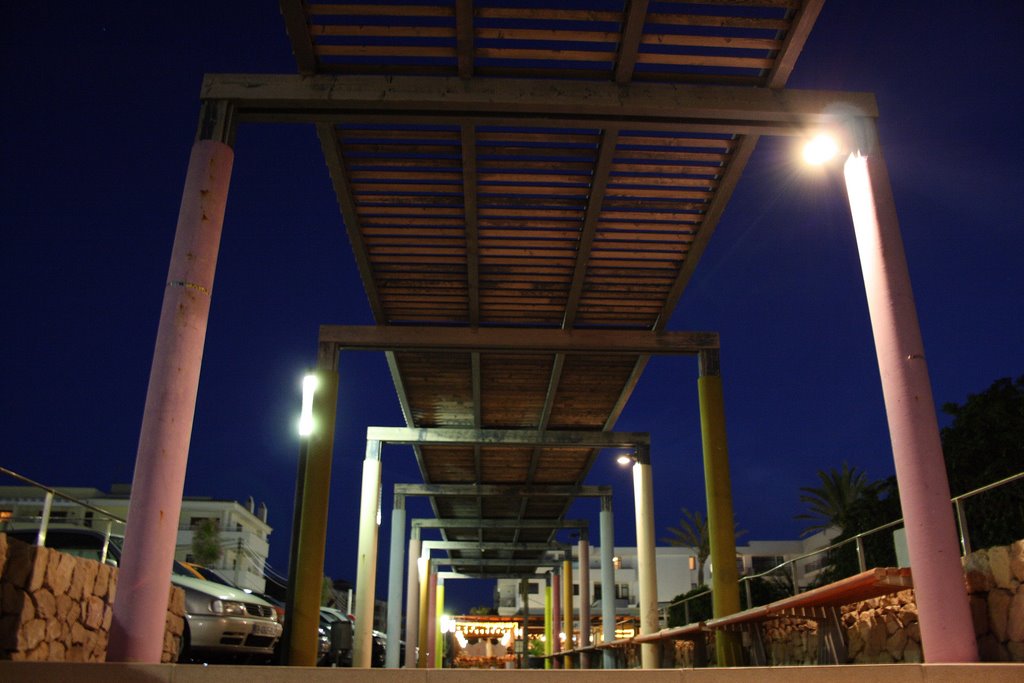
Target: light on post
pixel 309 387
pixel 820 149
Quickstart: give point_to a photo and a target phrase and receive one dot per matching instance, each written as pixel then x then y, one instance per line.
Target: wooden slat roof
pixel 523 223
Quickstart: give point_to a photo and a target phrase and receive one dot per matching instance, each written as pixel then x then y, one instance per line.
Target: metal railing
pixel 858 540
pixel 44 517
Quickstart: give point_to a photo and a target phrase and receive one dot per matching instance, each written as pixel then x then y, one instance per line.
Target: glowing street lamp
pixel 309 387
pixel 820 149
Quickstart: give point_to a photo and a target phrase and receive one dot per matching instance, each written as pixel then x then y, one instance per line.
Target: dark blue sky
pixel 100 108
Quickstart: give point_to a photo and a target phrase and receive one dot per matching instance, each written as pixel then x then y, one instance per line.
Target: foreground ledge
pixel 32 672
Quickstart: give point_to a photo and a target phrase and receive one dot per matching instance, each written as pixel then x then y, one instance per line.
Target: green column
pixel 725 591
pixel 309 569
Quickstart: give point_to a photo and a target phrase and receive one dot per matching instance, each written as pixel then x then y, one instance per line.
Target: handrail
pixel 55 492
pixel 857 538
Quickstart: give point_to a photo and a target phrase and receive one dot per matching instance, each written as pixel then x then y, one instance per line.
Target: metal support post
pixel 584 555
pixel 431 617
pixel 423 567
pixel 725 592
pixel 607 580
pixel 44 521
pixel 366 565
pixel 567 606
pixel 412 600
pixel 439 626
pixel 140 607
pixel 307 576
pixel 646 560
pixel 548 632
pixel 556 617
pixel 947 634
pixel 395 562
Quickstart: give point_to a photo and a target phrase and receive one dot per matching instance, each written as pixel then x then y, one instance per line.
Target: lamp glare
pixel 820 149
pixel 309 386
pixel 624 460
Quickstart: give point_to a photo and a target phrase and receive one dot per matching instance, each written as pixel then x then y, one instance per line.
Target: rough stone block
pixel 20 557
pixel 9 631
pixel 108 617
pixel 999 564
pixel 977 573
pixel 78 633
pixel 13 599
pixel 58 653
pixel 99 588
pixel 31 634
pixel 1017 560
pixel 979 614
pixel 991 650
pixel 895 643
pixel 52 630
pixel 1015 617
pixel 72 579
pixel 37 573
pixel 88 569
pixel 45 603
pixel 3 552
pixel 94 612
pixel 912 653
pixel 999 612
pixel 1016 651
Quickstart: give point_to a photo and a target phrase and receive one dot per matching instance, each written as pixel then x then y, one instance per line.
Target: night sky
pixel 99 113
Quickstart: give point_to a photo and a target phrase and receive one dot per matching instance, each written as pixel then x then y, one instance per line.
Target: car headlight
pixel 227 607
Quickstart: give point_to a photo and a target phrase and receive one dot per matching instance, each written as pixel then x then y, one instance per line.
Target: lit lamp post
pixel 947 633
pixel 309 383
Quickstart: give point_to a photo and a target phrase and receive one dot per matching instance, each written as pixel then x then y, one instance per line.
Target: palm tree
pixel 692 532
pixel 831 503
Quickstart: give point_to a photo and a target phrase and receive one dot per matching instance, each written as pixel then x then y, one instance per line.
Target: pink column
pixel 140 607
pixel 556 618
pixel 947 634
pixel 432 618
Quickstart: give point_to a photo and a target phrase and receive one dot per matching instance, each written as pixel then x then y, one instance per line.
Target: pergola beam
pixel 463 523
pixel 506 437
pixel 277 97
pixel 490 546
pixel 518 340
pixel 513 490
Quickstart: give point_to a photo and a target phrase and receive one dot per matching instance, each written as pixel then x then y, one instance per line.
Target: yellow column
pixel 725 590
pixel 439 643
pixel 421 659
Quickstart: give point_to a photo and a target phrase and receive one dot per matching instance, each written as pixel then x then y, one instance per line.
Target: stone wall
pixel 886 630
pixel 58 607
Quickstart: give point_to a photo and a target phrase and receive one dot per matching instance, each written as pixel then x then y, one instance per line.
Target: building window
pixel 597 591
pixel 622 591
pixel 575 589
pixel 617 562
pixel 693 562
pixel 534 588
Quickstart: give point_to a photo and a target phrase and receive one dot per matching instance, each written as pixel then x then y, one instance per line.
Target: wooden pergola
pixel 527 188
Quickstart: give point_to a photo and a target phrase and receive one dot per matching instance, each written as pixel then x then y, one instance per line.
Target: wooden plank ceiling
pixel 523 226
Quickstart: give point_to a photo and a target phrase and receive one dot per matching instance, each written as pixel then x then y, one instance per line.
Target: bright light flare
pixel 309 387
pixel 624 460
pixel 820 149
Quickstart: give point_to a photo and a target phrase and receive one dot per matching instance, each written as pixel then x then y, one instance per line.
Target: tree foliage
pixel 692 532
pixel 985 443
pixel 206 543
pixel 830 504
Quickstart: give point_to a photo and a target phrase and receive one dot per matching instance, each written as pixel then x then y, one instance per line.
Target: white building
pixel 676 572
pixel 242 529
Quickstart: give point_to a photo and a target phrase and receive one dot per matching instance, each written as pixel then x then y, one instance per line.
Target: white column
pixel 366 567
pixel 645 557
pixel 395 561
pixel 947 634
pixel 607 580
pixel 412 600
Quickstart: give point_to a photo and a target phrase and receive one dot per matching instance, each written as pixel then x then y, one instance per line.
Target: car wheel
pixel 185 646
